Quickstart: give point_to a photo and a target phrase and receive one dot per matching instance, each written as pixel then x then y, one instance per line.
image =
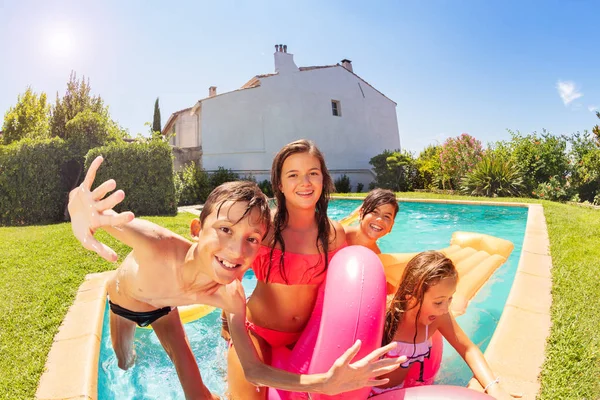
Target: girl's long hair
pixel 280 219
pixel 425 270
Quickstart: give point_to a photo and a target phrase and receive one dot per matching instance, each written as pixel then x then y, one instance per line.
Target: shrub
pixel 192 185
pixel 144 171
pixel 359 187
pixel 538 157
pixel 584 157
pixel 493 176
pixel 266 187
pixel 31 188
pixel 553 190
pixel 429 167
pixel 394 170
pixel 222 175
pixel 458 157
pixel 342 184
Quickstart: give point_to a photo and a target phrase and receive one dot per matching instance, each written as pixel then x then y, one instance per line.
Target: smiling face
pixel 229 241
pixel 437 300
pixel 379 222
pixel 301 180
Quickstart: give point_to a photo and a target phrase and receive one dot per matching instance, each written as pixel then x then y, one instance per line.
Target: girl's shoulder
pixel 337 236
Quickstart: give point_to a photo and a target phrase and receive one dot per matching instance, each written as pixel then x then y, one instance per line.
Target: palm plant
pixel 493 176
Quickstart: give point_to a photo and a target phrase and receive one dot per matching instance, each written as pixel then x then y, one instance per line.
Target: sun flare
pixel 59 43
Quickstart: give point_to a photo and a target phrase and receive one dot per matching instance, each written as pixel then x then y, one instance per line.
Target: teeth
pixel 305 193
pixel 227 263
pixel 376 228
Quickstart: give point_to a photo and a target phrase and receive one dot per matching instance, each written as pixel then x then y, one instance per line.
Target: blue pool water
pixel 418 227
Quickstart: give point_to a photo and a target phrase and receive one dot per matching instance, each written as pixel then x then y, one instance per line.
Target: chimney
pixel 284 61
pixel 212 91
pixel 347 64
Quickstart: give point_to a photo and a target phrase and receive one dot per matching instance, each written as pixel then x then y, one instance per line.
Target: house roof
pixel 339 65
pixel 172 119
pixel 255 82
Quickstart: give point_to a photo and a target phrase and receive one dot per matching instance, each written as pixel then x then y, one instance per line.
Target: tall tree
pixel 596 129
pixel 28 118
pixel 76 99
pixel 84 122
pixel 156 125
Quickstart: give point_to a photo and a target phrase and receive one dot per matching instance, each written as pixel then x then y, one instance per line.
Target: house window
pixel 336 109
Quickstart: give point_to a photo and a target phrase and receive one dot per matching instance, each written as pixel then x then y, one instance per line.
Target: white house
pixel 348 119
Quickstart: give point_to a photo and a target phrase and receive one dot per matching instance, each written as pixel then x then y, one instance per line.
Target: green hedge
pixel 144 171
pixel 31 188
pixel 192 185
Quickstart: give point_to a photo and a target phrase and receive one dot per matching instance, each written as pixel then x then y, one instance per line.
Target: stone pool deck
pixel 515 353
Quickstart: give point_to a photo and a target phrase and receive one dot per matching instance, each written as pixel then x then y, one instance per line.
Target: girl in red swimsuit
pixel 293 259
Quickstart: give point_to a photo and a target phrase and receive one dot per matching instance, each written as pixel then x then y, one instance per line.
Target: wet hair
pixel 238 191
pixel 423 271
pixel 280 219
pixel 377 198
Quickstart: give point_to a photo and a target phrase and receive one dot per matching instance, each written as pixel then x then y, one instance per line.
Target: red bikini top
pixel 300 269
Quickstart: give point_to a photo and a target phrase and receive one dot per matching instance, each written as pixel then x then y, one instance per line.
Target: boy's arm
pixel 89 211
pixel 472 355
pixel 341 377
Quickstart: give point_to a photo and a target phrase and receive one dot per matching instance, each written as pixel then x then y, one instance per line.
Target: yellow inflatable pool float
pixel 476 257
pixel 190 313
pixel 351 218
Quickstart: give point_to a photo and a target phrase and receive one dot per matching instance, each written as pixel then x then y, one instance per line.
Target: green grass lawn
pixel 41 268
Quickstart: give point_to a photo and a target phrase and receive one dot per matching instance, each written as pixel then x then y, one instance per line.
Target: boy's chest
pixel 152 281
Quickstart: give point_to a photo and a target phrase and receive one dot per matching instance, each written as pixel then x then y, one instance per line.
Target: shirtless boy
pixel 165 270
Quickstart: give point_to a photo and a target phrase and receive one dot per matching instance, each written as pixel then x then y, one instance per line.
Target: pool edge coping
pixel 516 351
pixel 80 333
pixel 520 373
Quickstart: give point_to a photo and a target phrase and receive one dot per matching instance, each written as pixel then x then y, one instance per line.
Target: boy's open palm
pixel 89 211
pixel 345 376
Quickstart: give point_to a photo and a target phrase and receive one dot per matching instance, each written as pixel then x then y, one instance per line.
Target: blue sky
pixel 473 66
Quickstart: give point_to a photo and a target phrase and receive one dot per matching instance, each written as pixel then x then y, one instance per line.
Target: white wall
pixel 244 129
pixel 186 128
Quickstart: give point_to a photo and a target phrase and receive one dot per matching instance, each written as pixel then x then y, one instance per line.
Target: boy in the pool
pixel 165 270
pixel 377 214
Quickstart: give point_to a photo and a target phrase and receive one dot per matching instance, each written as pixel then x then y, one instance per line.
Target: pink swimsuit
pixel 415 352
pixel 300 269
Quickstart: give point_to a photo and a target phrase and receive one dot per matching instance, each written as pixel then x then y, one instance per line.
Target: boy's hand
pixel 345 377
pixel 89 211
pixel 234 298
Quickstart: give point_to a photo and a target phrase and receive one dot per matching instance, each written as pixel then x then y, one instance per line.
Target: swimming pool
pixel 418 227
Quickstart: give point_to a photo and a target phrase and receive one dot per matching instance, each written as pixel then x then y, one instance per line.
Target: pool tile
pixel 537 242
pixel 83 318
pixel 528 390
pixel 91 294
pixel 536 264
pixel 71 370
pixel 531 293
pixel 517 347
